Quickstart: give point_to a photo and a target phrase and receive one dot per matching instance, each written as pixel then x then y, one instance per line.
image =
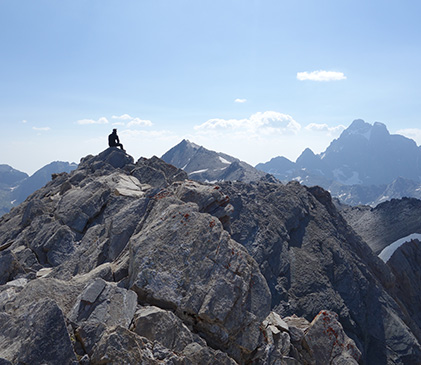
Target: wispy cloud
pixel 139 122
pixel 122 117
pixel 131 121
pixel 24 121
pixel 241 101
pixel 101 120
pixel 267 123
pixel 333 131
pixel 413 133
pixel 321 75
pixel 41 129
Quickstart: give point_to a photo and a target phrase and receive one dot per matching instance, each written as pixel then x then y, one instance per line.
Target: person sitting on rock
pixel 113 140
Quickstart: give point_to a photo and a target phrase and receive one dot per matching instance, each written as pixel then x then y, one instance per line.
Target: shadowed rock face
pixel 405 264
pixel 312 259
pixel 130 262
pixel 386 223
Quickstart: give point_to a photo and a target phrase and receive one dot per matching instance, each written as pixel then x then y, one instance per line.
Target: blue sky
pixel 254 79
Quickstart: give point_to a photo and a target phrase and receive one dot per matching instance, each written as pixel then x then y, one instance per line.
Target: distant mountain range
pixel 365 165
pixel 16 186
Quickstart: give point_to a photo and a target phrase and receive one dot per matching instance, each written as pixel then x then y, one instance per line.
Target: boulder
pixel 118 345
pixel 328 342
pixel 165 327
pixel 7 266
pixel 102 302
pixel 157 173
pixel 183 260
pixel 197 354
pixel 36 334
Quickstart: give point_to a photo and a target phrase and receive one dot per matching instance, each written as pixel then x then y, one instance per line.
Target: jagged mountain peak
pixel 362 162
pixel 306 158
pixel 206 165
pixel 366 131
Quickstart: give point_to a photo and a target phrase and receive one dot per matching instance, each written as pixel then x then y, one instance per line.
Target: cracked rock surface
pixel 131 262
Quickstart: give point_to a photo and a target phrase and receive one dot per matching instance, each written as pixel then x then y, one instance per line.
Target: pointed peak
pixel 307 152
pixel 186 143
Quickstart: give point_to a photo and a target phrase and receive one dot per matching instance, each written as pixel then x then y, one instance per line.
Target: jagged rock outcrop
pixel 131 262
pixel 313 260
pixel 116 220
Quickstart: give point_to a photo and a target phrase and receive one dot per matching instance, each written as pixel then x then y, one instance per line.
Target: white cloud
pixel 321 75
pixel 333 131
pixel 413 133
pixel 267 123
pixel 24 121
pixel 240 100
pixel 41 129
pixel 101 120
pixel 139 122
pixel 123 117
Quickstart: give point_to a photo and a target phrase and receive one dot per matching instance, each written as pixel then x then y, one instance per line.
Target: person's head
pixel 114 130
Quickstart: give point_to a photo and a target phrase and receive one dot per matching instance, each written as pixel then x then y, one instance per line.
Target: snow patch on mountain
pixel 198 171
pixel 223 160
pixel 388 251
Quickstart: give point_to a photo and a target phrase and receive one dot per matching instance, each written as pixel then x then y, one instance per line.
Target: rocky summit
pixel 120 262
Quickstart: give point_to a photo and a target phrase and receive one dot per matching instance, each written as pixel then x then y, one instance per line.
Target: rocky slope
pixel 122 262
pixel 204 165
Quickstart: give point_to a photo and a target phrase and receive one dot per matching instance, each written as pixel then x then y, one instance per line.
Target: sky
pixel 251 78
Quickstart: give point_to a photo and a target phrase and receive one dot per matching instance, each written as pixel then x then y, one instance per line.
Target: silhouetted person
pixel 113 140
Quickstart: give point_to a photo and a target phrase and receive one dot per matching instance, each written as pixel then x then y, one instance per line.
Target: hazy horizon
pixel 251 79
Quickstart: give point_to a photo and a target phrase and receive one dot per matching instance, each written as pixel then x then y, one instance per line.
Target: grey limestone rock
pixel 209 199
pixel 157 173
pixel 165 327
pixel 184 260
pixel 7 265
pixel 211 270
pixel 312 260
pixel 115 343
pixel 111 158
pixel 105 303
pixel 35 334
pixel 328 342
pixel 197 354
